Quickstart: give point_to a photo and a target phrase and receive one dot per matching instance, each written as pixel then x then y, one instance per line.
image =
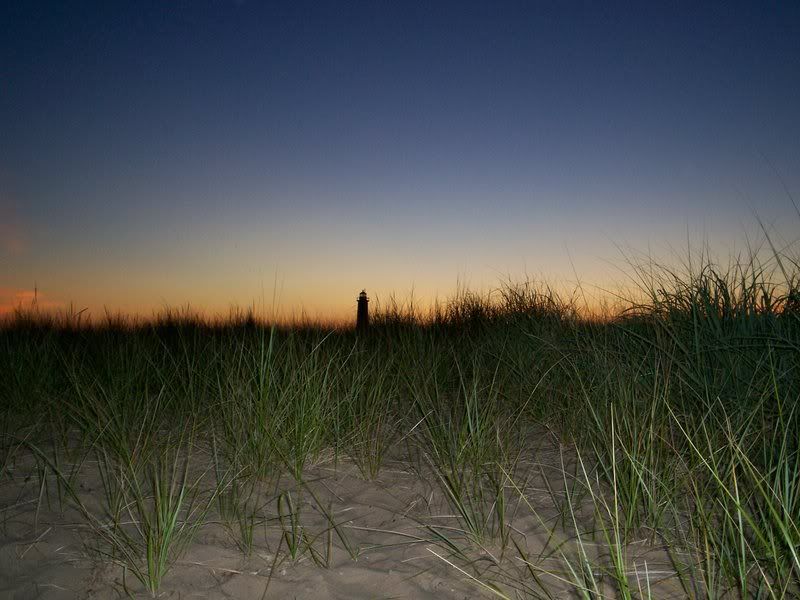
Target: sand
pixel 49 551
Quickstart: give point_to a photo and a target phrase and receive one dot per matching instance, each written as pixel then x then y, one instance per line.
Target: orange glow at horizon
pixel 320 278
pixel 330 307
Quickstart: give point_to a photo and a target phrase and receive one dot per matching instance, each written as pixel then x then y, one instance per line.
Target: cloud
pixel 12 299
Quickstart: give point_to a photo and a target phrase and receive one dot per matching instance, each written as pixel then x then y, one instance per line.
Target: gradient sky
pixel 219 153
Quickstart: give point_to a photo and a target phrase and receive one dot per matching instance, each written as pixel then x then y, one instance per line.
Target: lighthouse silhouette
pixel 362 314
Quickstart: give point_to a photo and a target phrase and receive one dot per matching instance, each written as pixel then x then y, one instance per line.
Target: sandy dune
pixel 391 525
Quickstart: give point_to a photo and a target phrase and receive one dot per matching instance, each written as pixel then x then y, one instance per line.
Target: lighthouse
pixel 362 315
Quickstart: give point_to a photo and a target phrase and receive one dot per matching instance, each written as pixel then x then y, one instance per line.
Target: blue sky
pixel 218 153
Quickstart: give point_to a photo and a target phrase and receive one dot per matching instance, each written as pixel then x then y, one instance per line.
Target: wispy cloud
pixel 14 298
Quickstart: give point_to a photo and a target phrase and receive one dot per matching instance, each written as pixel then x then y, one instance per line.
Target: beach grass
pixel 677 419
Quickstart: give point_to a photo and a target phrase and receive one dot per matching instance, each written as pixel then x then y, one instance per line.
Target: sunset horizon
pixel 334 302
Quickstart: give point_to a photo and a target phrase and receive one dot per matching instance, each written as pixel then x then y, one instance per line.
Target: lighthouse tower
pixel 362 315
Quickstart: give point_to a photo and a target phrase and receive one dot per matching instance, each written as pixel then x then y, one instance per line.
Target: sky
pixel 287 155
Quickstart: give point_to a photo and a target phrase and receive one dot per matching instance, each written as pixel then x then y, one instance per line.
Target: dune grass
pixel 681 415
